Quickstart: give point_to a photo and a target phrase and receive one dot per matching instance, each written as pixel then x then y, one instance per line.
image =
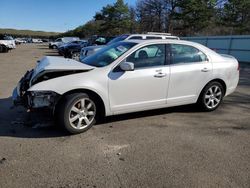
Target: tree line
pixel 179 17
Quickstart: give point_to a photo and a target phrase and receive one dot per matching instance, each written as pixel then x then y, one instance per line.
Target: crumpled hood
pixel 53 67
pixel 58 63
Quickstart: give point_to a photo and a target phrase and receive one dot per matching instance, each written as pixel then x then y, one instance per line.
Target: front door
pixel 143 88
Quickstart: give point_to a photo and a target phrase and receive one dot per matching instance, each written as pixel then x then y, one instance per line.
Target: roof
pixel 164 41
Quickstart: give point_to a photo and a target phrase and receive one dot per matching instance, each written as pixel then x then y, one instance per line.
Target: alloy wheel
pixel 213 97
pixel 82 113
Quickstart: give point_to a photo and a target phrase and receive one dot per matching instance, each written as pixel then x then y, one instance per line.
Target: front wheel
pixel 211 96
pixel 77 113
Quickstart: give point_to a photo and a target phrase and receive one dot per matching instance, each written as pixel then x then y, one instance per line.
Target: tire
pixel 82 118
pixel 54 47
pixel 211 96
pixel 3 49
pixel 75 56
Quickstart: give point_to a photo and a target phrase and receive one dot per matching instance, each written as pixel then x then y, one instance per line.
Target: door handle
pixel 205 69
pixel 160 75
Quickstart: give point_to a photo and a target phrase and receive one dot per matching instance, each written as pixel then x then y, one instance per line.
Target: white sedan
pixel 128 76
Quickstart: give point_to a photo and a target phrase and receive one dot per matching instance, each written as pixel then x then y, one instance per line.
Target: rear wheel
pixel 77 113
pixel 211 96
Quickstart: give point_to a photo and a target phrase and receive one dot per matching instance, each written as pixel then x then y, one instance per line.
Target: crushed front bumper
pixel 33 99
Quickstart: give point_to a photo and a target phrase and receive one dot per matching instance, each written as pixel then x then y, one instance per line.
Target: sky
pixel 50 15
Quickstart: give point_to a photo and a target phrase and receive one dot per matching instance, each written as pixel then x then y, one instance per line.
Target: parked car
pixel 37 41
pixel 19 41
pixel 45 40
pixel 128 76
pixel 98 40
pixel 89 50
pixel 72 49
pixel 149 36
pixel 60 41
pixel 6 43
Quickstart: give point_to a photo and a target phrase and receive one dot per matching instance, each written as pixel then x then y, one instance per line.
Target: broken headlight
pixel 40 99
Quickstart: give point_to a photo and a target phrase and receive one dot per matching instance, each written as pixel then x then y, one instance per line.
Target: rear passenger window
pixel 186 54
pixel 136 38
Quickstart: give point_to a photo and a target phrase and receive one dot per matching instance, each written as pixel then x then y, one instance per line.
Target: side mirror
pixel 127 66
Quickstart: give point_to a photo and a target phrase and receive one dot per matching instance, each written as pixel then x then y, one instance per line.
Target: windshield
pixel 118 39
pixel 107 55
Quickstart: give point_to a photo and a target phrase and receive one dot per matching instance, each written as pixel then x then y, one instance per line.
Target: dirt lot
pixel 175 147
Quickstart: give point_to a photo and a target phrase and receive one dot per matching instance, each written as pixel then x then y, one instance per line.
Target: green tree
pixel 195 15
pixel 236 14
pixel 115 18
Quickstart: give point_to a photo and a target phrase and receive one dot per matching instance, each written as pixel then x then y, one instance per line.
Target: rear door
pixel 190 71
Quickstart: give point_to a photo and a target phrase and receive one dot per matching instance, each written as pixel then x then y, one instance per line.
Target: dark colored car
pixel 72 49
pixel 99 40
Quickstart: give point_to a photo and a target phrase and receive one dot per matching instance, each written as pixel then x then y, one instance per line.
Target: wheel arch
pixel 89 92
pixel 222 82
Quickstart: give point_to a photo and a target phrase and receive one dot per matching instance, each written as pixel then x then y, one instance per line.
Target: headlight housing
pixel 40 99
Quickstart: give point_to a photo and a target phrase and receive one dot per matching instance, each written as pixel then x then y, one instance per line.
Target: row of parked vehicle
pixel 73 47
pixel 8 42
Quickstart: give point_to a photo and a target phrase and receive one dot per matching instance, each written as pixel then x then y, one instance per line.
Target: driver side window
pixel 148 56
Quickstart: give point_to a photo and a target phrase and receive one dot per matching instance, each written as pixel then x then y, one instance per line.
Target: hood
pixel 72 45
pixel 53 64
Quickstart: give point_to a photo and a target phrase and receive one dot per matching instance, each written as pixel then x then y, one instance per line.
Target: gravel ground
pixel 174 147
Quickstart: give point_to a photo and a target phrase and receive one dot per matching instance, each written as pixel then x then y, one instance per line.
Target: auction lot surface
pixel 174 147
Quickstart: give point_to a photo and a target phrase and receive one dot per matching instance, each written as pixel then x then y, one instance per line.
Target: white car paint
pixel 141 89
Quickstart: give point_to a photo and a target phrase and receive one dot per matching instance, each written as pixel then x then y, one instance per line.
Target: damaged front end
pixel 33 99
pixel 47 69
pixel 19 95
